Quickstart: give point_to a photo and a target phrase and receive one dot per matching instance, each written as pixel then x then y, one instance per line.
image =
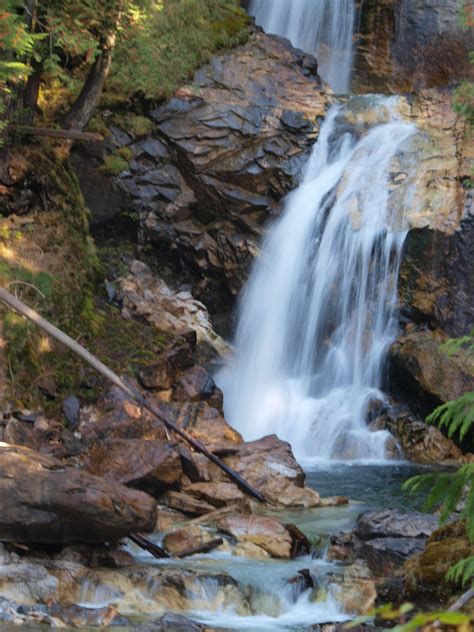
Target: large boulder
pixel 388 538
pixel 269 465
pixel 152 466
pixel 42 500
pixel 267 533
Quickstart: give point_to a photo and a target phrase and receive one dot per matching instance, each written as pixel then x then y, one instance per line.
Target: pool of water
pixel 373 485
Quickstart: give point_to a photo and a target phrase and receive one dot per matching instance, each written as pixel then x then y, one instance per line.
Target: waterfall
pixel 319 309
pixel 323 28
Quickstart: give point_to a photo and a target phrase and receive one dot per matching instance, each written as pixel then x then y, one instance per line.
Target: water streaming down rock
pixel 323 28
pixel 319 309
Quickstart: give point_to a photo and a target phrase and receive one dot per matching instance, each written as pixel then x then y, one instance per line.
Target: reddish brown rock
pixel 267 533
pixel 185 539
pixel 269 465
pixel 158 376
pixel 149 465
pixel 42 500
pixel 218 494
pixel 194 385
pixel 186 504
pixel 209 426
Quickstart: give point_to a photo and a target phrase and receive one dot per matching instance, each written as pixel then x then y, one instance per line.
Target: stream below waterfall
pixel 276 606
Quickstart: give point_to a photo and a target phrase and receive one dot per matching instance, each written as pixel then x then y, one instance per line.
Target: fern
pixel 455 416
pixel 462 572
pixel 447 490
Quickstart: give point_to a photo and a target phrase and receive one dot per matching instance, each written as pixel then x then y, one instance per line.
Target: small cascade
pixel 319 309
pixel 323 28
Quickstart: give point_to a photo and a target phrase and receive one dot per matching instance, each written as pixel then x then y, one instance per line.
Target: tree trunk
pixel 84 107
pixel 29 98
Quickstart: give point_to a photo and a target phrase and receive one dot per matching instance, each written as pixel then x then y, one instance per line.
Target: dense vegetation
pixel 58 56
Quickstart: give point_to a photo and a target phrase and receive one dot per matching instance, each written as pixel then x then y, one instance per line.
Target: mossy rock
pixel 424 575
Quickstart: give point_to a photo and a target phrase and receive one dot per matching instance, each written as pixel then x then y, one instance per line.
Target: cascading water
pixel 319 310
pixel 323 28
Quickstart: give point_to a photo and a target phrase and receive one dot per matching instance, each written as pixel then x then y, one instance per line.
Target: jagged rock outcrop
pixel 225 150
pixel 405 45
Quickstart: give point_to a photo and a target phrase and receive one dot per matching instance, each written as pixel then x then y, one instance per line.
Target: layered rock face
pixel 225 150
pixel 405 45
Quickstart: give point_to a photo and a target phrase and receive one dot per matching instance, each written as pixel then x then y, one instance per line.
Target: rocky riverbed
pixel 70 496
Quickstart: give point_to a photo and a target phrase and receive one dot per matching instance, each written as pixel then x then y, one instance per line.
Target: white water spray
pixel 319 310
pixel 323 28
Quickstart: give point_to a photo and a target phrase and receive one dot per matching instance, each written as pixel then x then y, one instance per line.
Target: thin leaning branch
pixel 53 331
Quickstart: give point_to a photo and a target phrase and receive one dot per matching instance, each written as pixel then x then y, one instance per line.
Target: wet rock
pixel 109 557
pixel 419 442
pixel 341 547
pixel 152 466
pixel 71 409
pixel 172 623
pixel 299 584
pixel 394 523
pixel 356 590
pixel 77 616
pixel 386 539
pixel 333 501
pixel 42 500
pixel 160 376
pixel 385 555
pixel 267 533
pixel 142 590
pixel 269 465
pixel 185 539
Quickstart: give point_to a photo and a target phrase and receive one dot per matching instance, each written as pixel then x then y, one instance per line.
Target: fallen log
pixel 201 548
pixel 53 331
pixel 147 545
pixel 70 134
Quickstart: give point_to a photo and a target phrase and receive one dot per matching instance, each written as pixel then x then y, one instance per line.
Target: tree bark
pixel 82 110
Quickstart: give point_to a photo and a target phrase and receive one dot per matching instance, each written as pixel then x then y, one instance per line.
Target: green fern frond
pixel 462 572
pixel 455 416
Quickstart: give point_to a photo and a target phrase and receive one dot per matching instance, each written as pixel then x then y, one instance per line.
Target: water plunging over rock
pixel 318 313
pixel 323 28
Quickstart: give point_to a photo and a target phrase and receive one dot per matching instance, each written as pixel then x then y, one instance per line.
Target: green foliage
pixel 16 43
pixel 456 416
pixel 406 624
pixel 448 490
pixel 462 572
pixel 113 165
pixel 168 43
pixel 455 345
